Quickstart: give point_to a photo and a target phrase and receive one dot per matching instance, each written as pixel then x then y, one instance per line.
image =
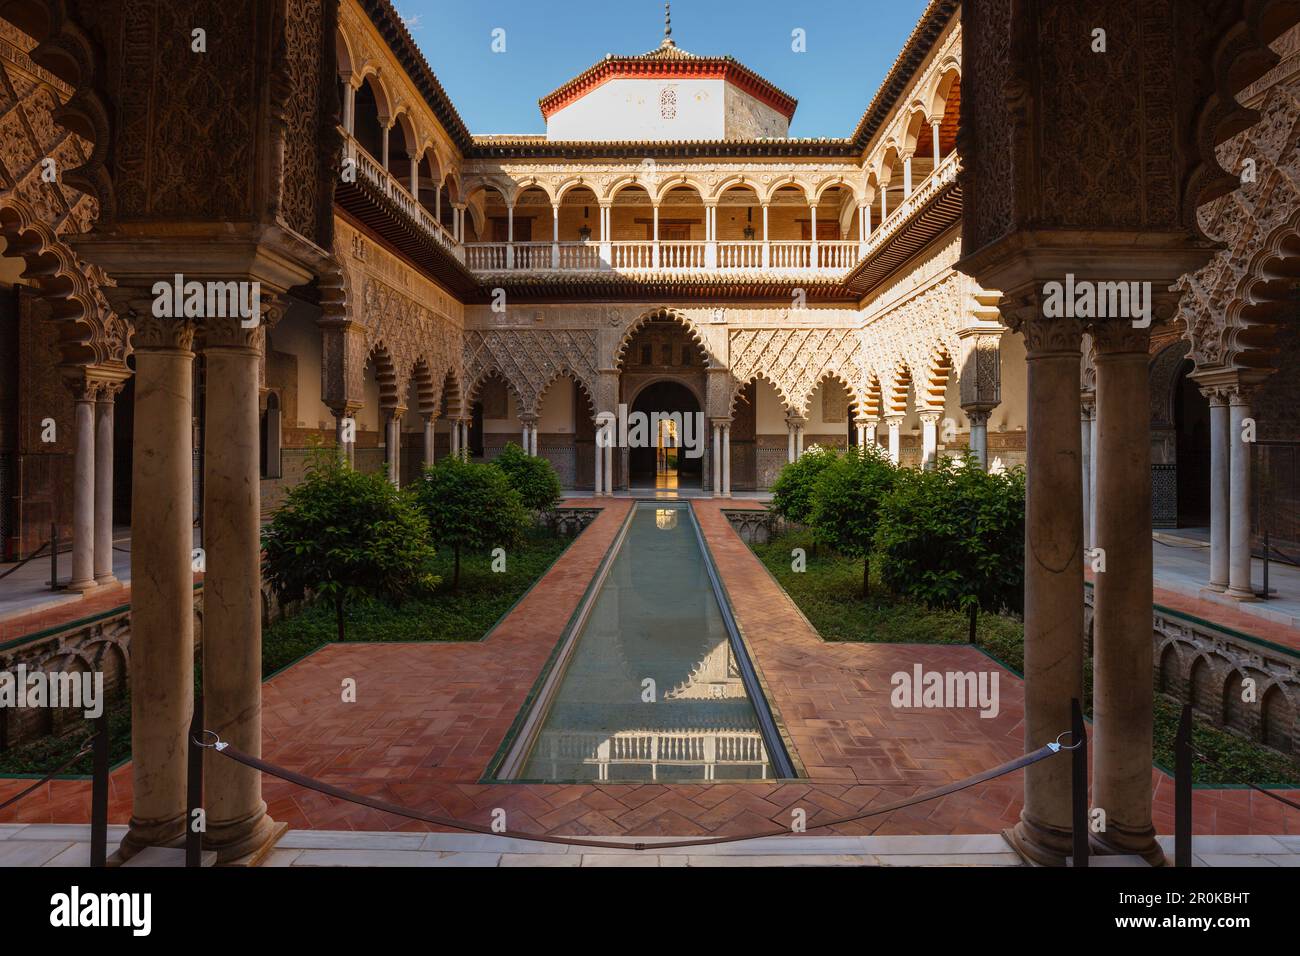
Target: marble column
pixel 238 825
pixel 1093 444
pixel 1053 576
pixel 104 405
pixel 979 436
pixel 929 438
pixel 455 438
pixel 342 415
pixel 609 470
pixel 430 439
pixel 1239 572
pixel 393 444
pixel 525 440
pixel 162 605
pixel 1220 486
pixel 599 460
pixel 84 392
pixel 872 424
pixel 798 438
pixel 1086 414
pixel 791 428
pixel 1123 705
pixel 717 460
pixel 860 424
pixel 895 423
pixel 726 460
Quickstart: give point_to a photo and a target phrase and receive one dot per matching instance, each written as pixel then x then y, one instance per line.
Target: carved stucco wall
pixel 409 326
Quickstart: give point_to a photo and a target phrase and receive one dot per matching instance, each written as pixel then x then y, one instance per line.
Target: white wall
pixel 624 109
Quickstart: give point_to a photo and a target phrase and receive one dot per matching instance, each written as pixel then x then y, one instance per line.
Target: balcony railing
pixel 373 172
pixel 663 256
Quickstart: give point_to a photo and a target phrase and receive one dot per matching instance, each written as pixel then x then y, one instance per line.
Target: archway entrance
pixel 1192 427
pixel 664 462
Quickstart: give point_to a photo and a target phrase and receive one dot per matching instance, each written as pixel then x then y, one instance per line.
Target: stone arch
pixel 679 181
pixel 830 182
pixel 630 181
pixel 738 386
pixel 832 374
pixel 525 400
pixel 872 397
pixel 1203 690
pixel 901 382
pixel 789 180
pixel 1277 719
pixel 566 371
pixel 683 380
pixel 662 313
pixel 425 384
pixel 933 391
pixel 391 387
pixel 737 181
pixel 574 182
pixel 1169 670
pixel 452 402
pixel 946 78
pixel 343 52
pixel 1236 713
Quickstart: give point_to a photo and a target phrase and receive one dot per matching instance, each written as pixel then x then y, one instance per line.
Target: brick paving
pixel 429 718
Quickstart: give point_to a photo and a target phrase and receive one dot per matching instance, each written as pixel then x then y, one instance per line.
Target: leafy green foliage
pixel 792 491
pixel 533 477
pixel 344 535
pixel 846 499
pixel 469 506
pixel 954 537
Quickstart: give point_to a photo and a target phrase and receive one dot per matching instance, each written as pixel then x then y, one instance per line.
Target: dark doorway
pixel 666 464
pixel 476 430
pixel 1192 426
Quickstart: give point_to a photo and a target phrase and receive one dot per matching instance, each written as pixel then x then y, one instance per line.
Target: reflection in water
pixel 652 691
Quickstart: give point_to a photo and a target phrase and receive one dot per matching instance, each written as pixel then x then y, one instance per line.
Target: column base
pixel 1238 594
pixel 1215 586
pixel 106 580
pixel 244 842
pixel 82 586
pixel 1117 841
pixel 141 834
pixel 1039 845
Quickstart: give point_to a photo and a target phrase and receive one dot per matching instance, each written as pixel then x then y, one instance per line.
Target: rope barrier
pixel 86 749
pixel 1254 786
pixel 29 557
pixel 330 790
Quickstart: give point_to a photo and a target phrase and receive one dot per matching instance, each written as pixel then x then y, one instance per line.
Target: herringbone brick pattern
pixel 429 717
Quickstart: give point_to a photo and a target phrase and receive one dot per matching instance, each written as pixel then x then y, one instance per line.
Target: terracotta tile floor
pixel 429 717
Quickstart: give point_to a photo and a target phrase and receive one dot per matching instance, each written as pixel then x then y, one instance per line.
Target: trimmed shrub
pixel 345 535
pixel 469 506
pixel 846 499
pixel 532 476
pixel 954 537
pixel 793 489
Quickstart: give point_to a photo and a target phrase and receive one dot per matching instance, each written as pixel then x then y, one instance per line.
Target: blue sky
pixel 850 46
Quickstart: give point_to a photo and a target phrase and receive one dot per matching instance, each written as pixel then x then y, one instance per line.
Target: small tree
pixel 845 502
pixel 344 535
pixel 954 537
pixel 532 476
pixel 792 491
pixel 470 506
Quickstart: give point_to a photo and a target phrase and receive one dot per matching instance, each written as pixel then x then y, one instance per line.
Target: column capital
pixel 929 415
pixel 978 416
pixel 894 421
pixel 1118 337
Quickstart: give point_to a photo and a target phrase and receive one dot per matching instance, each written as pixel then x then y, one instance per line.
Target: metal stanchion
pixel 1183 789
pixel 194 789
pixel 99 794
pixel 1079 783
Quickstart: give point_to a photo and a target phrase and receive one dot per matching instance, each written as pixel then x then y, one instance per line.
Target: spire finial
pixel 668 26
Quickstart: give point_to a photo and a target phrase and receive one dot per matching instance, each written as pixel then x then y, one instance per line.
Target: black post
pixel 99 794
pixel 1079 783
pixel 194 789
pixel 1183 789
pixel 54 556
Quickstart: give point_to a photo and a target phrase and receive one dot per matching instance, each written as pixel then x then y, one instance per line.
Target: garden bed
pixel 829 593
